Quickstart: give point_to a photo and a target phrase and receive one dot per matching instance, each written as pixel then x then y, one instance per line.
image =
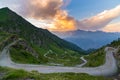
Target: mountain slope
pixel 88 39
pixel 40 40
pixel 98 57
pixel 13 23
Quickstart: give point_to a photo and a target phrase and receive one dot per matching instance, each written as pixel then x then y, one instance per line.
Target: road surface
pixel 109 68
pixel 84 62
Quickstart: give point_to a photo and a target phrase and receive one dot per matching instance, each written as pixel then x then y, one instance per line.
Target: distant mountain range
pixel 88 39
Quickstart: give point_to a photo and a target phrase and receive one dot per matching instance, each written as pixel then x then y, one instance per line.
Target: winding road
pixel 109 68
pixel 84 62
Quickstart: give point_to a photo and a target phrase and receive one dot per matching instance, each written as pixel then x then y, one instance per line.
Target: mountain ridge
pixel 88 39
pixel 11 13
pixel 40 40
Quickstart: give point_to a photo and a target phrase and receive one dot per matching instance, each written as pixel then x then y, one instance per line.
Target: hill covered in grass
pixel 39 44
pixel 97 57
pixel 13 23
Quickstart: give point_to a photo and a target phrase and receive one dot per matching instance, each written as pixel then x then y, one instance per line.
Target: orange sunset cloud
pixel 59 19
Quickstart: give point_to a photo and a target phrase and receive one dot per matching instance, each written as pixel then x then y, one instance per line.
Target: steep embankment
pixel 98 57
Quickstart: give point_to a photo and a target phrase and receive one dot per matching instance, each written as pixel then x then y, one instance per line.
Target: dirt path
pixel 84 62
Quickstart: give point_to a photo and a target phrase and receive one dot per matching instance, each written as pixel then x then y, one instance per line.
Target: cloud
pixel 113 27
pixel 52 11
pixel 63 22
pixel 48 10
pixel 40 9
pixel 99 21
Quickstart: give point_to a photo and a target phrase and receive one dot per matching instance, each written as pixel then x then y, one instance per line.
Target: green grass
pixel 15 75
pixel 64 56
pixel 70 58
pixel 22 56
pixel 12 74
pixel 4 36
pixel 67 59
pixel 96 58
pixel 115 43
pixel 5 39
pixel 4 15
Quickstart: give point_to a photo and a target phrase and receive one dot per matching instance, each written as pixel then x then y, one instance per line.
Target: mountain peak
pixel 5 8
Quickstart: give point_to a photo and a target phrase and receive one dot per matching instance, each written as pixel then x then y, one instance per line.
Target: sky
pixel 68 15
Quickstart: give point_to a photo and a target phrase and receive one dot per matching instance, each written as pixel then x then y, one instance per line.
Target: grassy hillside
pixel 23 54
pixel 97 57
pixel 116 44
pixel 40 40
pixel 13 23
pixel 5 39
pixel 12 74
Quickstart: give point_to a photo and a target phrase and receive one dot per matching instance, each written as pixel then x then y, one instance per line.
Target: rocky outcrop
pixel 7 41
pixel 22 44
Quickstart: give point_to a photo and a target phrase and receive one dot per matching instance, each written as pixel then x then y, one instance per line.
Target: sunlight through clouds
pixel 40 12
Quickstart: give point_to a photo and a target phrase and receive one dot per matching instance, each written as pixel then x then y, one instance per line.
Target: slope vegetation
pixel 97 57
pixel 12 74
pixel 46 47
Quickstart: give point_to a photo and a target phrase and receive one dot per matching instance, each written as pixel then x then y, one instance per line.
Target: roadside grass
pixel 115 43
pixel 67 59
pixel 22 56
pixel 96 58
pixel 12 74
